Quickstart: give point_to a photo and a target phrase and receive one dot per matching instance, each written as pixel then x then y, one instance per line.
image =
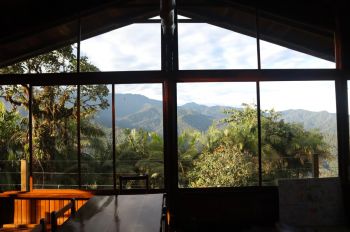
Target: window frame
pixel 169 79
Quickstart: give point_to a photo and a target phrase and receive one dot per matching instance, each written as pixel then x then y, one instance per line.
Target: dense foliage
pixel 229 151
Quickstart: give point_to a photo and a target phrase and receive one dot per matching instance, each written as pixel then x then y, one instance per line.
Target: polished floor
pixel 122 213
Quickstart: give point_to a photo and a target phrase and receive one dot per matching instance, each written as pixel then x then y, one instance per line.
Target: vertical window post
pixel 78 105
pixel 114 139
pixel 30 132
pixel 258 95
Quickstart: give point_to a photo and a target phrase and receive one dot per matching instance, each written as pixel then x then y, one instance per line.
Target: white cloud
pixel 308 95
pixel 153 91
pixel 203 46
pixel 278 57
pixel 134 47
pixel 211 94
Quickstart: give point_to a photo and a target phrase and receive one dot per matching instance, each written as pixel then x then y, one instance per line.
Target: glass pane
pixel 13 134
pixel 56 61
pixel 277 57
pixel 217 135
pixel 55 137
pixel 96 137
pixel 204 46
pixel 139 133
pixel 299 130
pixel 130 48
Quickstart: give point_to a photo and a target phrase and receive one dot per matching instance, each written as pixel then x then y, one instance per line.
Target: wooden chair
pixel 125 179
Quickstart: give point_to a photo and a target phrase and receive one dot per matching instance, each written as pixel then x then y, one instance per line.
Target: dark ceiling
pixel 29 28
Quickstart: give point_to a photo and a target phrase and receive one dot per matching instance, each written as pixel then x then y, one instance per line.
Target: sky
pixel 203 46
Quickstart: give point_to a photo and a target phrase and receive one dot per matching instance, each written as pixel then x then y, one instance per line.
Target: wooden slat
pixel 33 211
pixel 24 212
pixel 41 207
pixel 20 220
pixel 37 210
pixel 52 206
pixel 16 206
pixel 56 205
pixel 47 206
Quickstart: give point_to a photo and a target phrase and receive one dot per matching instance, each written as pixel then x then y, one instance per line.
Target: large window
pixel 217 134
pixel 299 130
pixel 13 134
pixel 54 137
pixel 96 137
pixel 139 133
pixel 55 117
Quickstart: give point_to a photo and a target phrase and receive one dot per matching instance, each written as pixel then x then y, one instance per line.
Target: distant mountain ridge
pixel 138 111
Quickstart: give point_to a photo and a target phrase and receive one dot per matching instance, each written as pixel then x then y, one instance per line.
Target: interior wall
pixel 212 210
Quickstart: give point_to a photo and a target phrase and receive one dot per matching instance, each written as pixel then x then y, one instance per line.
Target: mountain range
pixel 138 111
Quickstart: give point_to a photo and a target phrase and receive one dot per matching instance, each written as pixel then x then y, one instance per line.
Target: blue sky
pixel 203 46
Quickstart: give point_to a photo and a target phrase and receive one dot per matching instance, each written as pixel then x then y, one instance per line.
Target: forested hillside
pixel 132 107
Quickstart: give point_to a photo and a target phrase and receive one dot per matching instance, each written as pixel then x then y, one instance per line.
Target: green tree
pixel 140 152
pixel 288 147
pixel 189 147
pixel 287 150
pixel 54 111
pixel 12 127
pixel 226 166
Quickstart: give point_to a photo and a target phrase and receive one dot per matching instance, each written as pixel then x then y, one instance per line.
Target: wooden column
pixel 169 67
pixel 342 54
